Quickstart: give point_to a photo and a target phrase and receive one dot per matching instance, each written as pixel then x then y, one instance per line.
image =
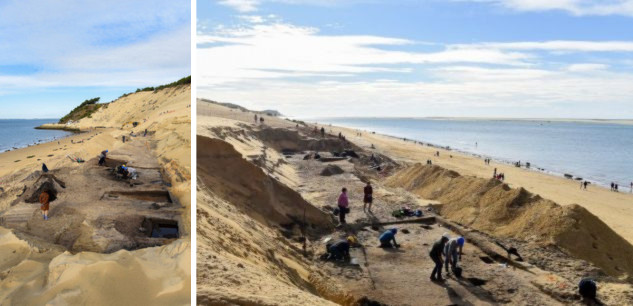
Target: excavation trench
pixel 160 196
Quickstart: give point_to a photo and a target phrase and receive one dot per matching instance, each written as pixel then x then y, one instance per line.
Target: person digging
pixel 453 251
pixel 387 238
pixel 436 256
pixel 338 250
pixel 45 201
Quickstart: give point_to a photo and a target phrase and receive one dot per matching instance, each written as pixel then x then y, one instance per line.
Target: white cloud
pixel 282 50
pixel 587 67
pixel 574 7
pixel 94 43
pixel 305 73
pixel 244 6
pixel 562 46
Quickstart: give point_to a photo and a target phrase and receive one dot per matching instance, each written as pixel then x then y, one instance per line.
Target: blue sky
pixel 483 58
pixel 56 54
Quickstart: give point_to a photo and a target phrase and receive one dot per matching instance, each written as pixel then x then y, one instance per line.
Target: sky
pixel 56 54
pixel 457 58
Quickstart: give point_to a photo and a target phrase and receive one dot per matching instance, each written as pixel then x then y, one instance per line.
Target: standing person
pixel 255 118
pixel 494 174
pixel 436 256
pixel 612 185
pixel 45 201
pixel 368 198
pixel 631 187
pixel 615 187
pixel 102 157
pixel 322 132
pixel 343 205
pixel 451 252
pixel 585 183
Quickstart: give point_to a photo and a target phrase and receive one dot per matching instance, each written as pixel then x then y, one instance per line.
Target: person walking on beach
pixel 494 174
pixel 44 199
pixel 343 205
pixel 615 187
pixel 322 132
pixel 368 198
pixel 255 117
pixel 631 187
pixel 436 256
pixel 612 186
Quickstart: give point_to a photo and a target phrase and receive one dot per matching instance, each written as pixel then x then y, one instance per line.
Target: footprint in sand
pixel 50 155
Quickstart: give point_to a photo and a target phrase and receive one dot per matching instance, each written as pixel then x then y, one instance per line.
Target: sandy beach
pixel 72 258
pixel 532 211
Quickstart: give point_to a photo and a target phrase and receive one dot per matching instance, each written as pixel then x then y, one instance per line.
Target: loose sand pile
pixel 38 272
pixel 330 170
pixel 493 207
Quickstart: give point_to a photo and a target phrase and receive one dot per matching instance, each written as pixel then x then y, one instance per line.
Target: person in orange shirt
pixel 45 201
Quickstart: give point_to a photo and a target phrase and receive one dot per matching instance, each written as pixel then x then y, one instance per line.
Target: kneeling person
pixel 387 237
pixel 338 250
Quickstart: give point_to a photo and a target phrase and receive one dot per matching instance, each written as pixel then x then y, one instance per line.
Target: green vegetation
pixel 183 81
pixel 85 109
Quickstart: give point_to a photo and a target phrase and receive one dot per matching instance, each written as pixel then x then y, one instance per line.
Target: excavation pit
pixel 161 228
pixel 161 196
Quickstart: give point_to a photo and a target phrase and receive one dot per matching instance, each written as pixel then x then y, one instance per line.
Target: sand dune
pixel 40 272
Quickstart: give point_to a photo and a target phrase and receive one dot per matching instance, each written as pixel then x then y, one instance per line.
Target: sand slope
pixel 495 208
pixel 39 273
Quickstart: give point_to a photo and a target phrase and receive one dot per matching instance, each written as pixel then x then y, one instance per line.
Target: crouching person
pixel 388 239
pixel 338 250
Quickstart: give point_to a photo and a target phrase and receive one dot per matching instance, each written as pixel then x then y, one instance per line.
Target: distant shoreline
pixel 555 120
pixel 58 126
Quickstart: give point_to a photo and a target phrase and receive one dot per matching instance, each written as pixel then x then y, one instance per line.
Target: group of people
pixel 343 202
pixel 446 251
pixel 499 176
pixel 260 119
pixel 487 161
pixel 614 186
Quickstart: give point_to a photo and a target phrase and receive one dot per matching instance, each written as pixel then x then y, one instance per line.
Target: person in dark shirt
pixel 338 250
pixel 368 198
pixel 436 256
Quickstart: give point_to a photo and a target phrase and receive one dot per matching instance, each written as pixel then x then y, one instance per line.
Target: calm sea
pixel 18 133
pixel 598 152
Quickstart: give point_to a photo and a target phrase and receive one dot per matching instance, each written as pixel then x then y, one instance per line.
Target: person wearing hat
pixel 453 251
pixel 338 250
pixel 387 237
pixel 436 256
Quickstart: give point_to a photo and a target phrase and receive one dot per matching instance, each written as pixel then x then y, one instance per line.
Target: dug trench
pixel 91 209
pixel 255 205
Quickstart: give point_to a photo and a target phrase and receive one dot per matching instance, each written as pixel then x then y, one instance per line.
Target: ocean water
pixel 599 152
pixel 18 133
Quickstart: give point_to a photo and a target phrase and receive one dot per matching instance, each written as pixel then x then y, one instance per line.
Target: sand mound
pixel 285 140
pixel 254 193
pixel 332 170
pixel 495 208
